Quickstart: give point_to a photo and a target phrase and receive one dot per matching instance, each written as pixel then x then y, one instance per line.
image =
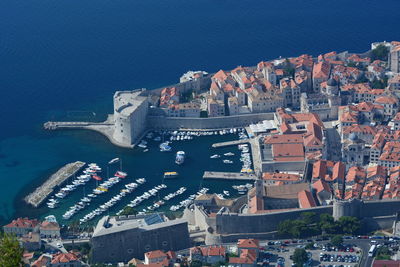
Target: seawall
pixel 172 123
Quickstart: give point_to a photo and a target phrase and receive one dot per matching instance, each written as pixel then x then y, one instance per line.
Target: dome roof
pixel 332 82
pixel 353 137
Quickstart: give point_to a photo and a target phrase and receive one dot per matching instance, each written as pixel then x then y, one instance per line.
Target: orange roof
pixel 155 254
pixel 321 70
pixel 306 199
pixel 23 223
pixel 284 139
pixel 64 258
pixel 248 243
pixel 281 176
pixel 386 100
pixel 288 152
pixel 321 185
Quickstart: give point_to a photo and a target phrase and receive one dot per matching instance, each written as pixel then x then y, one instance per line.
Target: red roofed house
pixel 21 226
pixel 390 105
pixel 249 244
pixel 306 200
pixel 323 191
pixel 210 254
pixel 42 261
pixel 65 259
pixel 49 229
pixel 321 73
pixel 248 253
pixel 247 258
pixel 158 256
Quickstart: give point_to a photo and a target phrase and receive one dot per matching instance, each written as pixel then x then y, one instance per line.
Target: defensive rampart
pixel 170 123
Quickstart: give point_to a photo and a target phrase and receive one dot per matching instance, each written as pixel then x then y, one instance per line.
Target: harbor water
pixel 63 60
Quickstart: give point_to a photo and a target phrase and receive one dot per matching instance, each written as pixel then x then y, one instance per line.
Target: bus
pixel 371 251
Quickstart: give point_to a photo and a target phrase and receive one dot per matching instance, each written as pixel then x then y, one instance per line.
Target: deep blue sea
pixel 63 59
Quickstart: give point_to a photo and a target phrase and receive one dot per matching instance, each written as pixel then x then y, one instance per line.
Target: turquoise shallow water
pixel 59 59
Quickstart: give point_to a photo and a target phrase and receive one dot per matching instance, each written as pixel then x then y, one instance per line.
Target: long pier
pixel 42 192
pixel 231 143
pixel 229 176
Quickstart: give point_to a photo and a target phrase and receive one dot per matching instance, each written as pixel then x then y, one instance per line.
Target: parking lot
pixel 321 255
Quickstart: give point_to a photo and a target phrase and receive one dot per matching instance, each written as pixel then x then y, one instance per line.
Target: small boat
pixel 157 139
pixel 121 174
pixel 113 161
pixel 227 161
pixel 215 156
pixel 145 150
pixel 98 178
pixel 226 193
pixel 229 154
pixel 170 174
pixel 142 145
pixel 164 147
pixel 180 157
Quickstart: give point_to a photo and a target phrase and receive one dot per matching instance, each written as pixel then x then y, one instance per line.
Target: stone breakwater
pixel 42 192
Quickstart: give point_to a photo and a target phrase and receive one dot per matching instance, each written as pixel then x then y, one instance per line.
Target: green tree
pixel 383 253
pixel 284 228
pixel 309 217
pixel 337 240
pixel 129 211
pixel 349 225
pixel 327 224
pixel 380 52
pixel 289 70
pixel 299 257
pixel 10 251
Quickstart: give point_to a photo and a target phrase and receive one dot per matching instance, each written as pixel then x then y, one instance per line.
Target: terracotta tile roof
pixel 247 256
pixel 155 254
pixel 46 225
pixel 64 258
pixel 284 139
pixel 288 152
pixel 306 199
pixel 248 243
pixel 213 251
pixel 23 223
pixel 321 70
pixel 386 100
pixel 321 185
pixel 42 261
pixel 281 176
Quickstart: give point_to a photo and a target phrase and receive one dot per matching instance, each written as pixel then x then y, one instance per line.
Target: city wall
pixel 375 215
pixel 171 123
pixel 200 84
pixel 259 223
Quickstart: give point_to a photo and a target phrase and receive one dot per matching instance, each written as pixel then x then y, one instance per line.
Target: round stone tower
pixel 346 208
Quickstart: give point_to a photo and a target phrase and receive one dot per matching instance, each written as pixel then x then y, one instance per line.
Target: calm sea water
pixel 63 59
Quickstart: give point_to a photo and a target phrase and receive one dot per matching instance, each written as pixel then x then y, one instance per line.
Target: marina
pixel 102 186
pixel 47 188
pixel 229 176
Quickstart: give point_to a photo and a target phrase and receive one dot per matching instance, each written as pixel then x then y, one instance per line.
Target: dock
pixel 47 188
pixel 231 143
pixel 229 176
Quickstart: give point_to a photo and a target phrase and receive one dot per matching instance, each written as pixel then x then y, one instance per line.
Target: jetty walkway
pixel 231 143
pixel 229 176
pixel 42 192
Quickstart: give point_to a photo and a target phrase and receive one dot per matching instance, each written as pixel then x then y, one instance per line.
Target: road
pixel 334 144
